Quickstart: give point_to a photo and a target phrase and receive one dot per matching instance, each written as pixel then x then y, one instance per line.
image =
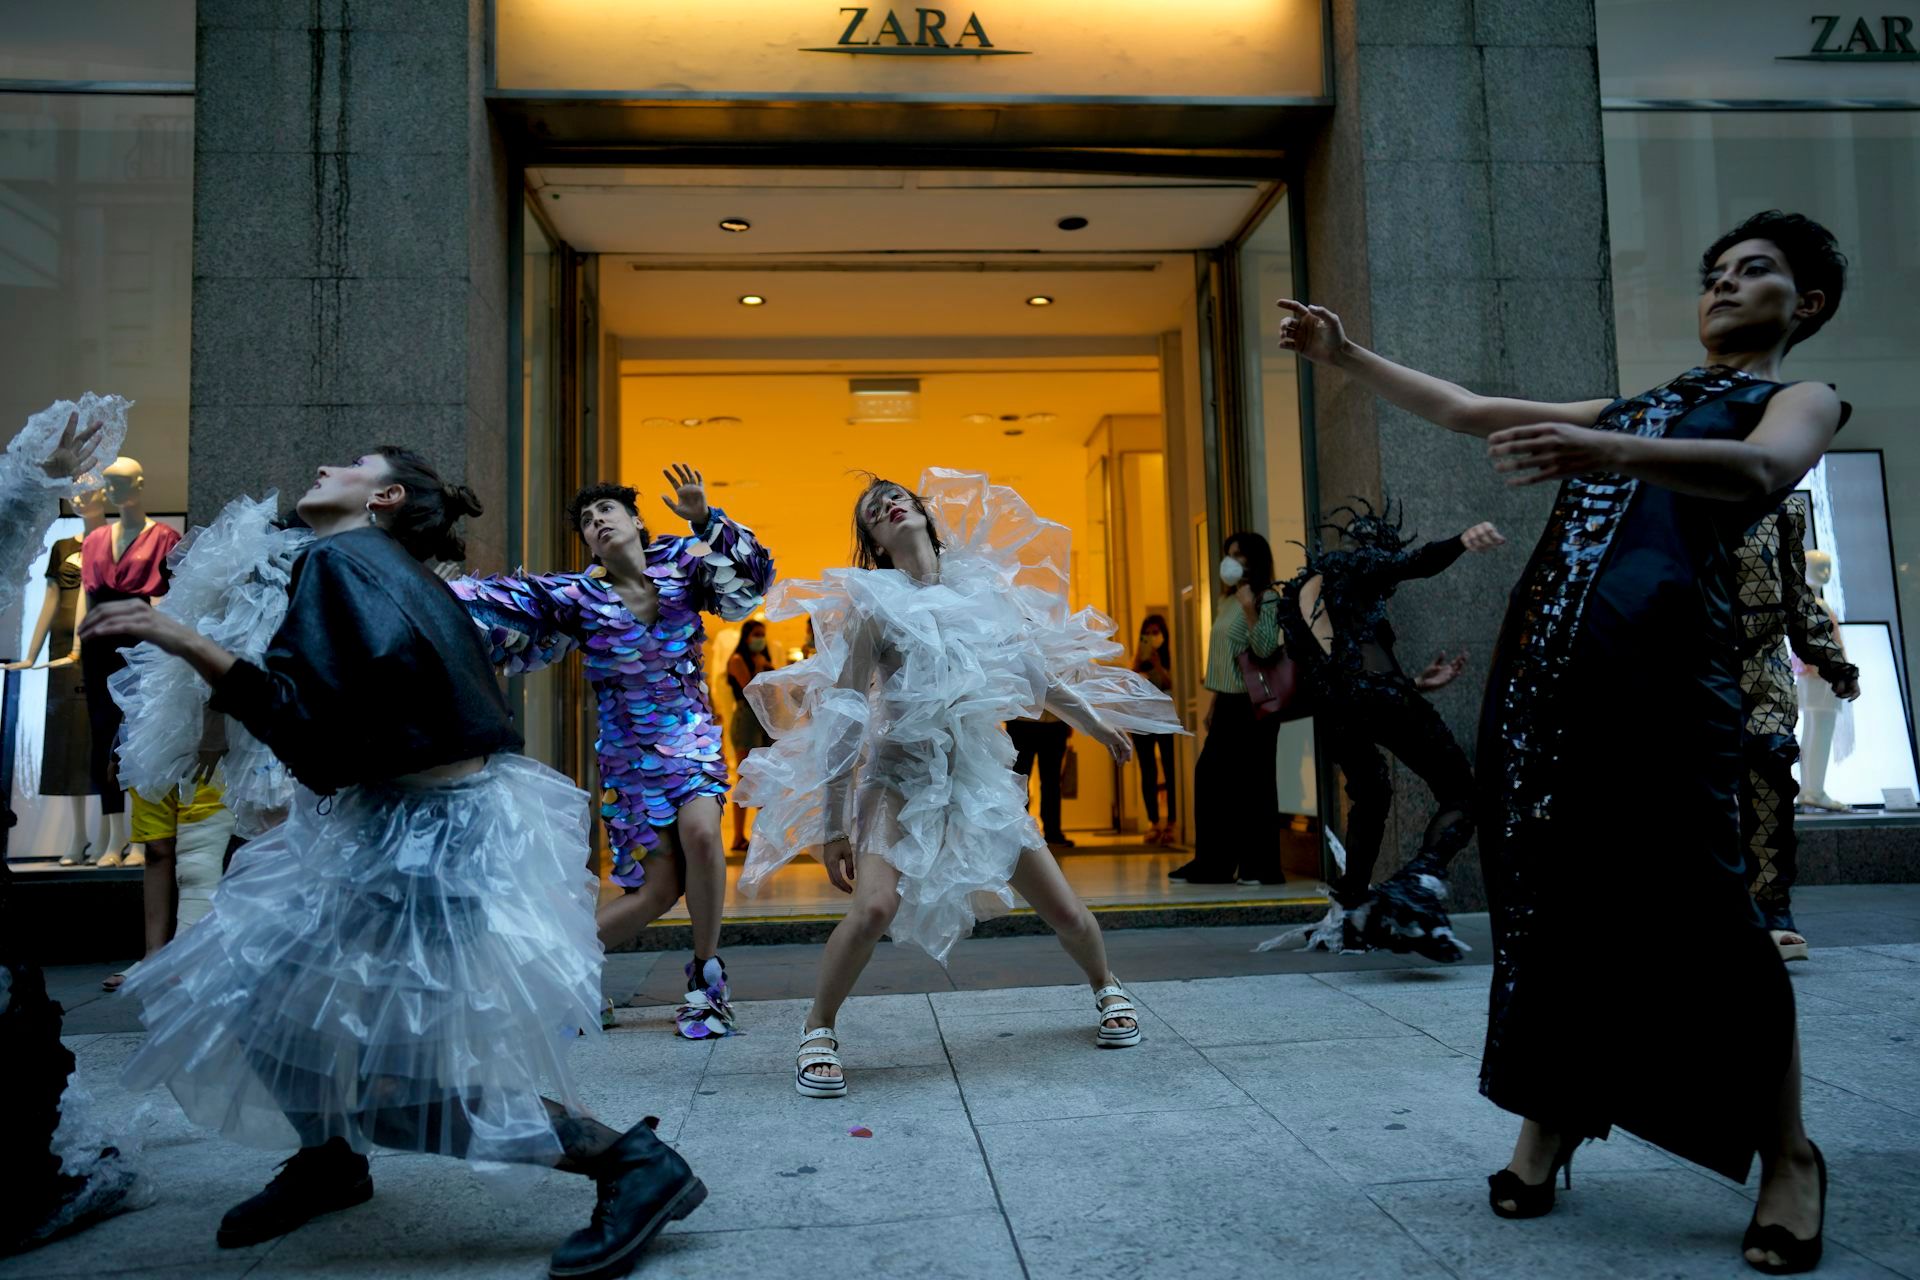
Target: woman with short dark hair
pixel 1616 664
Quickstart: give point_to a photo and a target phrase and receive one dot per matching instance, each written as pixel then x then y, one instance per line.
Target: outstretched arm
pixel 1317 334
pixel 1438 556
pixel 1810 630
pixel 1795 430
pixel 522 617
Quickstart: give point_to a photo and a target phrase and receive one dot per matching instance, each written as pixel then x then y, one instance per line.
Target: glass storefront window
pixel 537 506
pixel 1675 181
pixel 121 41
pixel 96 265
pixel 1275 459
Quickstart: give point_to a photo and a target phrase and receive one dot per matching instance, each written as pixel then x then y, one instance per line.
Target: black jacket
pixel 377 671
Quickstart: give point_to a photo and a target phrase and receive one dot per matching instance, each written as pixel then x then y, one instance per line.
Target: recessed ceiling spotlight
pixel 657 423
pixel 752 300
pixel 978 419
pixel 1071 224
pixel 1039 300
pixel 735 225
pixel 691 422
pixel 724 420
pixel 1042 418
pixel 1013 431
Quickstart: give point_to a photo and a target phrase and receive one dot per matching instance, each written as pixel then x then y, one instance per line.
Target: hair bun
pixel 462 501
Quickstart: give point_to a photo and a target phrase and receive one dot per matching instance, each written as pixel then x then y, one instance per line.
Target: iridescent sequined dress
pixel 1633 983
pixel 659 744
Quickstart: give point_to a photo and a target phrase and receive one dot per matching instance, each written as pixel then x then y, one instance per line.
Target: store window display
pixel 65 764
pixel 1826 719
pixel 123 560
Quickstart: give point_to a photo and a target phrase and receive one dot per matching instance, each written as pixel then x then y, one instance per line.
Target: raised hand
pixel 689 500
pixel 1483 537
pixel 1550 451
pixel 1313 332
pixel 74 455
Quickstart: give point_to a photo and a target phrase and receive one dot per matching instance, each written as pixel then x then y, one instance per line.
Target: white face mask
pixel 1231 571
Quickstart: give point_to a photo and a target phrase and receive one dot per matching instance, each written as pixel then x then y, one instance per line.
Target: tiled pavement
pixel 1286 1116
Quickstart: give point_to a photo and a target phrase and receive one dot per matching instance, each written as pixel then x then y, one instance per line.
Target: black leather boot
pixel 315 1180
pixel 644 1185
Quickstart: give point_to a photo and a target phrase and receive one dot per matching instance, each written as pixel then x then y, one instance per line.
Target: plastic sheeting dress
pixel 229 582
pixel 892 733
pixel 404 962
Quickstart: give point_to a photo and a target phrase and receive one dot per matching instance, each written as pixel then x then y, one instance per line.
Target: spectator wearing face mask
pixel 1153 658
pixel 1236 804
pixel 744 730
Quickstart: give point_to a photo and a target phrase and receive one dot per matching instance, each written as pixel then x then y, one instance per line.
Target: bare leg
pixel 622 920
pixel 77 806
pixel 160 893
pixel 739 826
pixel 698 829
pixel 876 898
pixel 1038 879
pixel 1789 1178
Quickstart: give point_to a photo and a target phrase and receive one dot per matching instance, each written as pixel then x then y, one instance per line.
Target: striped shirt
pixel 1233 635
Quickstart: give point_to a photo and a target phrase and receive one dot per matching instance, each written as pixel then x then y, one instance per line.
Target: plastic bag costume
pixel 891 734
pixel 404 962
pixel 229 582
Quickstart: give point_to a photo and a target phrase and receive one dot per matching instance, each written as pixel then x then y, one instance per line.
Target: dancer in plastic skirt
pixel 63 1170
pixel 635 617
pixel 404 961
pixel 890 762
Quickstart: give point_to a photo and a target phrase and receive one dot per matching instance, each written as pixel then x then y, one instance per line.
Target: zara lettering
pixel 928 34
pixel 1895 42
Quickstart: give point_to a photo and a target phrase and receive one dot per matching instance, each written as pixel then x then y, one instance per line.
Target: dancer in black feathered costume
pixel 1334 615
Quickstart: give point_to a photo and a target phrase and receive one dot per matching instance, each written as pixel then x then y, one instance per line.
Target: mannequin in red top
pixel 123 560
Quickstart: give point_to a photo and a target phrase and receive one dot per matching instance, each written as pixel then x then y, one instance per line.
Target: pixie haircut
pixel 605 490
pixel 1813 258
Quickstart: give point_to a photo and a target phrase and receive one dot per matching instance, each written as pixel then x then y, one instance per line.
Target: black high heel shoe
pixel 1796 1255
pixel 1530 1200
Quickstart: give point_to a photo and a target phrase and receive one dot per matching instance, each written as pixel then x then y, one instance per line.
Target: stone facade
pixel 1456 219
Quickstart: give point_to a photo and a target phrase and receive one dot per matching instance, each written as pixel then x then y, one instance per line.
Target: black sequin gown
pixel 1633 982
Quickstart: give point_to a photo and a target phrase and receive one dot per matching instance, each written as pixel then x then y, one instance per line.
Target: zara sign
pixel 867 32
pixel 1858 45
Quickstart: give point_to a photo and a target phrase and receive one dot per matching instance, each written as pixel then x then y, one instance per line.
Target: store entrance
pixel 790 332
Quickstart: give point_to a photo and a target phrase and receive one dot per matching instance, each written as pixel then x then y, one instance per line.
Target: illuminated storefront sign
pixel 1757 52
pixel 1895 43
pixel 1226 52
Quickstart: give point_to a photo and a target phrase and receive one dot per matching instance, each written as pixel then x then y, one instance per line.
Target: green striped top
pixel 1232 634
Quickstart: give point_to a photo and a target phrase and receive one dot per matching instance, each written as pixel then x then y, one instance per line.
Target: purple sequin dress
pixel 659 744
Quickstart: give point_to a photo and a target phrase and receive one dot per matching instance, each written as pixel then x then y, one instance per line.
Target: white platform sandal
pixel 810 1057
pixel 1122 1007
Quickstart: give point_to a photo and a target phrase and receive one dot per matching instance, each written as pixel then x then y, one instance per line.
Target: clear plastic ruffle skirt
pixel 404 968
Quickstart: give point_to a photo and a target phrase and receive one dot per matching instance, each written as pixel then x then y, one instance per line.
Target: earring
pixel 371 518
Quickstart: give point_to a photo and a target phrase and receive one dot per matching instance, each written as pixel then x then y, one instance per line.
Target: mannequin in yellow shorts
pixel 184 845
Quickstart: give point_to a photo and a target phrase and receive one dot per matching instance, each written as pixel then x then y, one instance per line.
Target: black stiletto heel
pixel 1796 1255
pixel 1530 1200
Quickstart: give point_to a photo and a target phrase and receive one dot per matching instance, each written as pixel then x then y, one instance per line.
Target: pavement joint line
pixel 860 1224
pixel 986 1162
pixel 1855 1093
pixel 1117 1115
pixel 1404 1230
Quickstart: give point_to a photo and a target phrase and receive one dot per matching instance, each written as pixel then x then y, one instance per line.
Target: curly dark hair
pixel 423 523
pixel 625 495
pixel 868 553
pixel 1813 258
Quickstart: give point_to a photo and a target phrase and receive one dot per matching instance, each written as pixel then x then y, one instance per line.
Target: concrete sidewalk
pixel 1307 1116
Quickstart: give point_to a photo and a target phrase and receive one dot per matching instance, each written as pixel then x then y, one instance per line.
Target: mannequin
pixel 124 560
pixel 1820 710
pixel 64 767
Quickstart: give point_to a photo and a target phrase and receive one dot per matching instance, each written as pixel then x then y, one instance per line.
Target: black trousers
pixel 1144 746
pixel 1355 721
pixel 1046 741
pixel 100 660
pixel 1236 801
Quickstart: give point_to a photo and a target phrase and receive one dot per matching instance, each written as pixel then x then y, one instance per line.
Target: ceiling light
pixel 1039 300
pixel 657 423
pixel 1041 419
pixel 735 225
pixel 691 422
pixel 1013 431
pixel 1071 224
pixel 723 421
pixel 752 300
pixel 978 419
